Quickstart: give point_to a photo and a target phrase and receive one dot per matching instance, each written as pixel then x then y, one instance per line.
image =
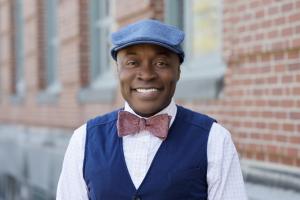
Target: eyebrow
pixel 159 53
pixel 130 53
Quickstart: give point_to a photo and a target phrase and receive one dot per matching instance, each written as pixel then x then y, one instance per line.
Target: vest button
pixel 137 198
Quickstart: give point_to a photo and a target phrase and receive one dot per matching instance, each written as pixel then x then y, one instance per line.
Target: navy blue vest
pixel 178 170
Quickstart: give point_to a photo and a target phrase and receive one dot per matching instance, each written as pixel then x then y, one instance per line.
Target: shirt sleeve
pixel 71 184
pixel 224 176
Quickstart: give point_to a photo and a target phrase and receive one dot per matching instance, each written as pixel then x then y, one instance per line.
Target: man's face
pixel 148 75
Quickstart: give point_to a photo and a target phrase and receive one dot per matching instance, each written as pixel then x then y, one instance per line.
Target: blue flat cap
pixel 148 32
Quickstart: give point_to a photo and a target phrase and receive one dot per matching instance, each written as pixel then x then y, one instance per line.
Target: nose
pixel 147 72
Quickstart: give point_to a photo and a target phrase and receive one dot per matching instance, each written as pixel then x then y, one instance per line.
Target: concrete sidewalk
pixel 262 192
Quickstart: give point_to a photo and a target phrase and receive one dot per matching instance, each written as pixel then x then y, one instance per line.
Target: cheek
pixel 125 80
pixel 172 79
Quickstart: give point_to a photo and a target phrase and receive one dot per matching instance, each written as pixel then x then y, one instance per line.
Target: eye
pixel 131 63
pixel 161 63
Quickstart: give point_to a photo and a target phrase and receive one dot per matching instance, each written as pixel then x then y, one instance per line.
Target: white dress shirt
pixel 224 177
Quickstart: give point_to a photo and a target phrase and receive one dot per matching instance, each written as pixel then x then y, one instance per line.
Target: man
pixel 152 149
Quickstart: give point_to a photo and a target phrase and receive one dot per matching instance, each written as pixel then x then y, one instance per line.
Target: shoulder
pixel 105 119
pixel 195 118
pixel 220 133
pixel 220 141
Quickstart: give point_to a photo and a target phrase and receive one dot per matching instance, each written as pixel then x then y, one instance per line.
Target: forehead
pixel 145 48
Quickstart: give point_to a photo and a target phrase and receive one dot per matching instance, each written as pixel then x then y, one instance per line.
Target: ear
pixel 179 72
pixel 118 66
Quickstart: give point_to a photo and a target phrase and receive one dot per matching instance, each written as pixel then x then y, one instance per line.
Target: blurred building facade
pixel 242 67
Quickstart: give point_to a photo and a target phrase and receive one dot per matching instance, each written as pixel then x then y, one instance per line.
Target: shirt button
pixel 137 198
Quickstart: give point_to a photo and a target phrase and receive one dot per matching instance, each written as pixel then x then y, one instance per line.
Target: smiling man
pixel 151 149
pixel 148 75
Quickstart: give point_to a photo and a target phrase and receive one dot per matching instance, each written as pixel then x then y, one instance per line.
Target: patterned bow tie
pixel 130 124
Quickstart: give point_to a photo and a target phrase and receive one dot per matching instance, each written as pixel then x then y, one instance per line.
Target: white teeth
pixel 142 90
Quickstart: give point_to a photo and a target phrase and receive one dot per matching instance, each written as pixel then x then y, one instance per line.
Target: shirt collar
pixel 171 110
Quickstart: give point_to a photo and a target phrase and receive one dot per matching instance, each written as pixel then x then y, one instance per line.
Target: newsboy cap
pixel 148 32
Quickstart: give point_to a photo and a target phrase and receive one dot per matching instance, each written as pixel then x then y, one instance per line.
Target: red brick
pixel 273 10
pixel 272 34
pixel 248 124
pixel 266 23
pixel 254 4
pixel 281 115
pixel 294 139
pixel 261 125
pixel 287 160
pixel 268 114
pixel 297 29
pixel 287 32
pixel 260 156
pixel 278 46
pixel 287 7
pixel 272 148
pixel 296 91
pixel 298 78
pixel 255 136
pixel 279 68
pixel 295 115
pixel 293 152
pixel 277 91
pixel 273 103
pixel 287 103
pixel 273 126
pixel 287 79
pixel 294 17
pixel 293 54
pixel 297 163
pixel 272 80
pixel 281 138
pixel 296 43
pixel 280 21
pixel 278 55
pixel 294 67
pixel 288 127
pixel 274 158
pixel 260 14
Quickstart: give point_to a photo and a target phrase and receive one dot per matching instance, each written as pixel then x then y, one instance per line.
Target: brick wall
pixel 260 103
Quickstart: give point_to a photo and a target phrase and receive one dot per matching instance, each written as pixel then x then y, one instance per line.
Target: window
pixel 18 85
pixel 48 58
pixel 100 32
pixel 102 83
pixel 49 72
pixel 51 46
pixel 203 69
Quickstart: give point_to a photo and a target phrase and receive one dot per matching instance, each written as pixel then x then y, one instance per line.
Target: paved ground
pixel 261 192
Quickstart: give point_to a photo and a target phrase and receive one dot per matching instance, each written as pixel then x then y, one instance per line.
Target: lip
pixel 147 93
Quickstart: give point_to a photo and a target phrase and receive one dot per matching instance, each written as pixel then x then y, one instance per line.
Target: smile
pixel 146 90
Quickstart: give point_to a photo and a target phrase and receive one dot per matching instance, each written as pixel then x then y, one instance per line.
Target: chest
pixel 177 169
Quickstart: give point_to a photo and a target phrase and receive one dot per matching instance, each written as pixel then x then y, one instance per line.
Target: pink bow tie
pixel 130 124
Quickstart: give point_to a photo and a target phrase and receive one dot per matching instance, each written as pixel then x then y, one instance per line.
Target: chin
pixel 146 112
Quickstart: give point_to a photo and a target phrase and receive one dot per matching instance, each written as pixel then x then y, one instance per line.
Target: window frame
pixel 102 83
pixel 19 51
pixel 204 80
pixel 52 85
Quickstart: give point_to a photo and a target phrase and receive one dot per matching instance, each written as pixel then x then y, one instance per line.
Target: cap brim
pixel 115 50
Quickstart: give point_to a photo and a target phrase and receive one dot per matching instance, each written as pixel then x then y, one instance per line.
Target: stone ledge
pixel 271 174
pixel 33 155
